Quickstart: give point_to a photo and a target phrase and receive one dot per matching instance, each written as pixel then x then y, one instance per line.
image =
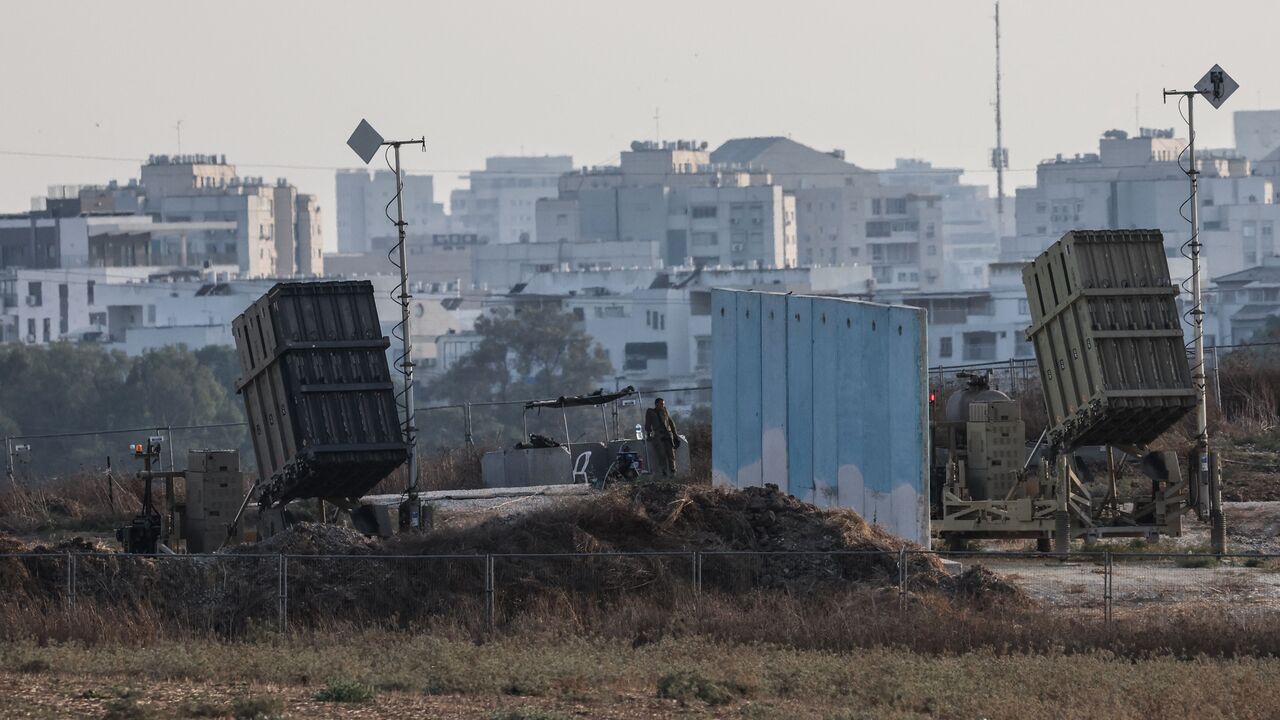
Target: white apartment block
pixel 187 210
pixel 499 205
pixel 130 309
pixel 1137 183
pixel 655 325
pixel 364 199
pixel 893 221
pixel 672 194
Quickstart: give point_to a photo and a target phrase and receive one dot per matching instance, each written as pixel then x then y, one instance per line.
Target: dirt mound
pixel 310 539
pixel 665 516
pixel 746 541
pixel 982 588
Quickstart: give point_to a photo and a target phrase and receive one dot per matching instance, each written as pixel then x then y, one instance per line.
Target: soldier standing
pixel 662 435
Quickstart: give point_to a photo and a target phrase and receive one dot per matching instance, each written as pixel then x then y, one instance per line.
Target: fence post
pixel 697 573
pixel 902 578
pixel 71 581
pixel 281 591
pixel 1106 587
pixel 488 593
pixel 466 423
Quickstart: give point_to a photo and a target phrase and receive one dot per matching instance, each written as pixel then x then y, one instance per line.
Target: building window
pixel 35 290
pixel 31 329
pixel 931 250
pixel 1023 308
pixel 944 347
pixel 879 228
pixel 47 328
pixel 89 291
pixel 979 346
pixel 638 355
pixel 704 351
pixel 703 211
pixel 895 206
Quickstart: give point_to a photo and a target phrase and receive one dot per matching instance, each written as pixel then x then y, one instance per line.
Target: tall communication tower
pixel 999 156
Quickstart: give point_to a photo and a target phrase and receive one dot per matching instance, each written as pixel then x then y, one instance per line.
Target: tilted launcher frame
pixel 1113 367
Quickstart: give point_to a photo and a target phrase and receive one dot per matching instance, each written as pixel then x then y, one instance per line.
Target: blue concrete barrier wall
pixel 826 398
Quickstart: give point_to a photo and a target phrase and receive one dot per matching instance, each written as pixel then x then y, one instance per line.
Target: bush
pixel 687 686
pixel 33 667
pixel 256 708
pixel 345 691
pixel 203 709
pixel 127 708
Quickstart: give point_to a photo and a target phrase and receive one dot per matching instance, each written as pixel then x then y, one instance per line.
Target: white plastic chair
pixel 580 467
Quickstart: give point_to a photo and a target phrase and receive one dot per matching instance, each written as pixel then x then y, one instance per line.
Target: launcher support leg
pixel 1062 517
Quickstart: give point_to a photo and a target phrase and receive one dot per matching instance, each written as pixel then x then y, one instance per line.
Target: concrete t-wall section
pixel 826 398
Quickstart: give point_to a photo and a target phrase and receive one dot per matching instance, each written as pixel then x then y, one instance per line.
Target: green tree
pixel 70 388
pixel 536 351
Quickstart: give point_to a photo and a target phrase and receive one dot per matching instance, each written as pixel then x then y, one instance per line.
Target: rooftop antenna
pixel 657 125
pixel 366 142
pixel 999 156
pixel 1216 86
pixel 178 127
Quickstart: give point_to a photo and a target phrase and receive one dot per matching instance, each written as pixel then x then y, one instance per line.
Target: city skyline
pixel 475 97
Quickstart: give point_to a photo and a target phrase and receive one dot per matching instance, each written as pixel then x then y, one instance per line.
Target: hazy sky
pixel 277 84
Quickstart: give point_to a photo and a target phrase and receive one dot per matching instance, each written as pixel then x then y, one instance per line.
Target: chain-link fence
pixel 230 594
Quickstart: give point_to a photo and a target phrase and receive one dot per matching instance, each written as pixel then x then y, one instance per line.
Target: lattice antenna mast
pixel 999 158
pixel 367 142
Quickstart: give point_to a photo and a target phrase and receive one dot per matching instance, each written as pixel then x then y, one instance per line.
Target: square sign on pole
pixel 365 141
pixel 1216 86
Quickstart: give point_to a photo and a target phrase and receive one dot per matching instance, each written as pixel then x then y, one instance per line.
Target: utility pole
pixel 366 142
pixel 1216 87
pixel 999 159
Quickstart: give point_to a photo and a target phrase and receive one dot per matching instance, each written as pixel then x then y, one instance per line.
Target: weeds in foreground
pixel 256 708
pixel 345 691
pixel 127 708
pixel 688 686
pixel 757 681
pixel 242 708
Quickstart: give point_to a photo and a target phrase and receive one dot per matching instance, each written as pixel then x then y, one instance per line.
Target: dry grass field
pixel 537 676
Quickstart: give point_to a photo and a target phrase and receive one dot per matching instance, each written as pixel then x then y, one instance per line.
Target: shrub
pixel 127 708
pixel 345 691
pixel 32 667
pixel 687 686
pixel 256 708
pixel 202 709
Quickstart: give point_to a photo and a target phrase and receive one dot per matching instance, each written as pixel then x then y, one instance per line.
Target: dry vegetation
pixel 541 675
pixel 378 635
